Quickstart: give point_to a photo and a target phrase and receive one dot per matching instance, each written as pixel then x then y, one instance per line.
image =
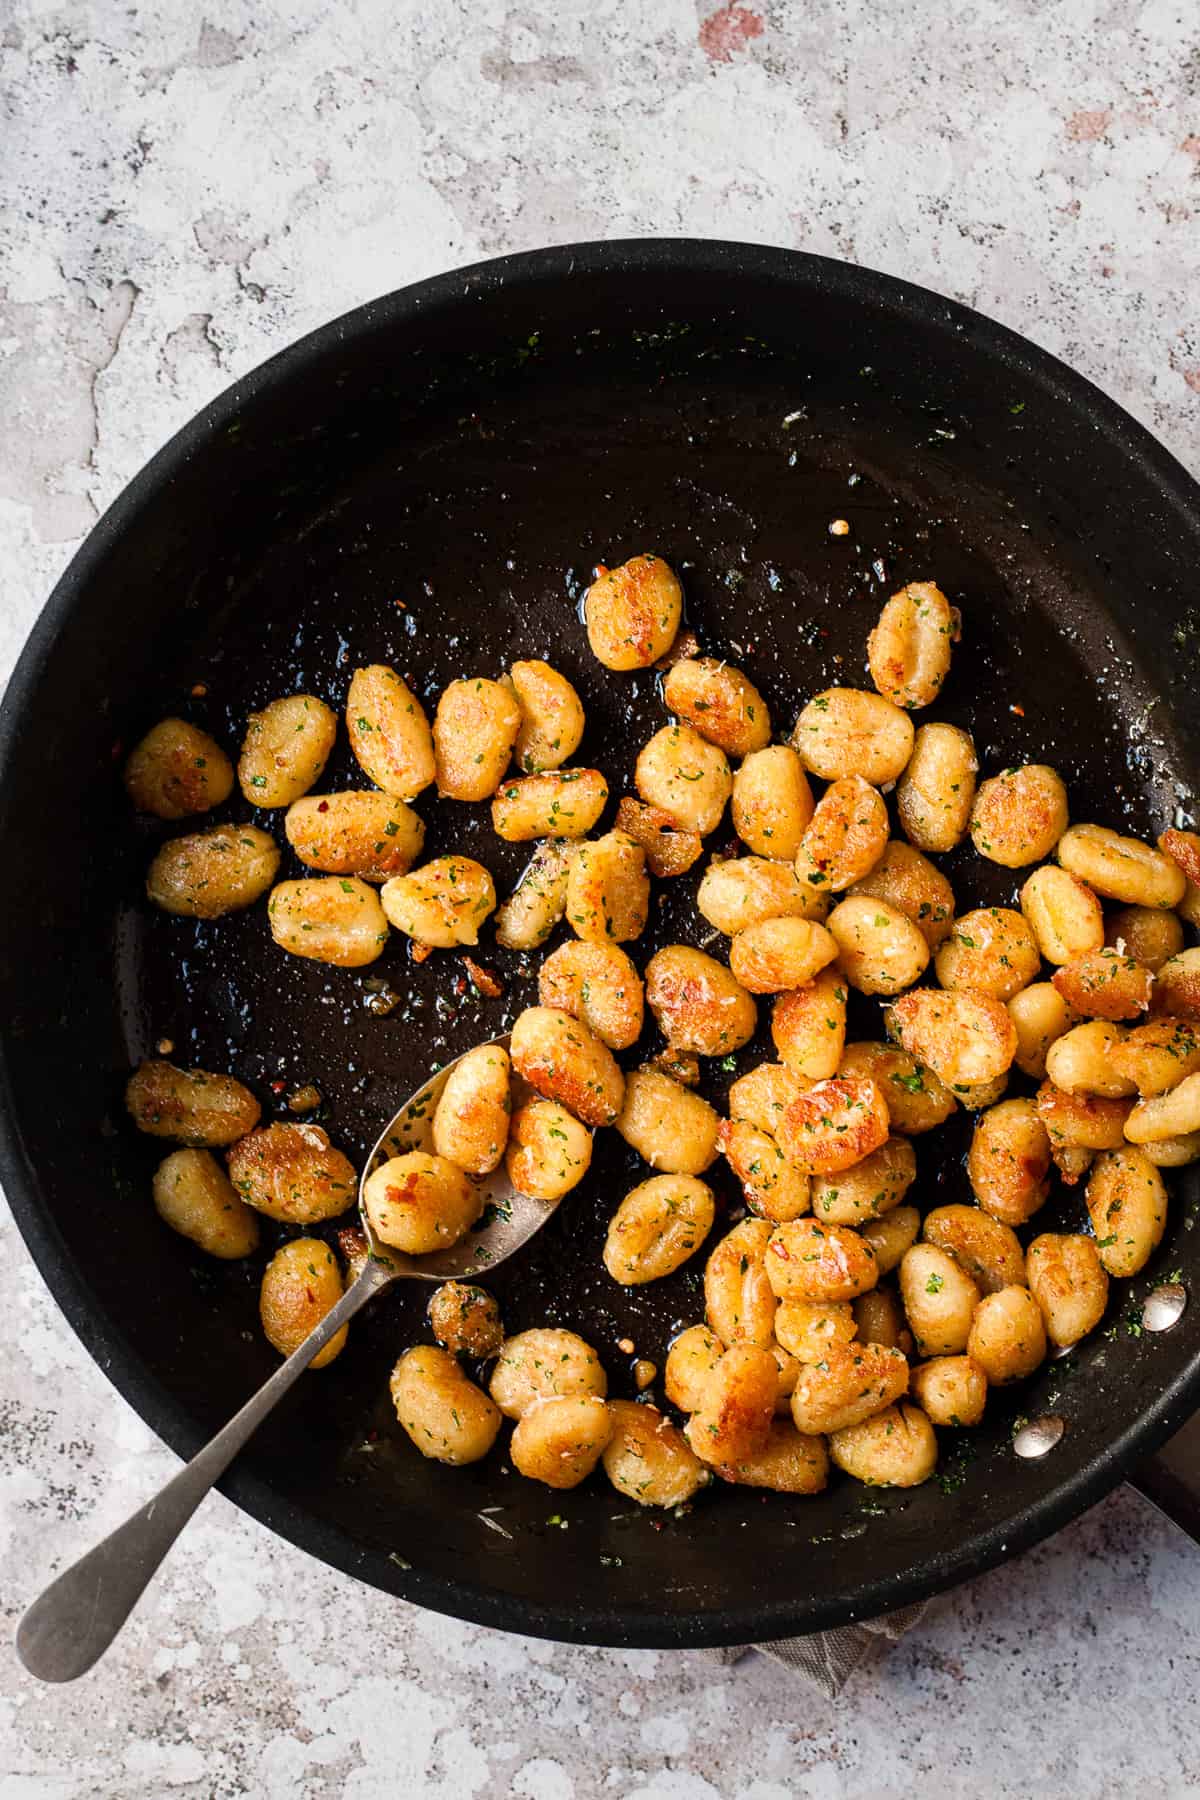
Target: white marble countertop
pixel 185 192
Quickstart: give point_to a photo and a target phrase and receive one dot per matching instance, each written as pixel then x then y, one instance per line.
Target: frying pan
pixel 429 481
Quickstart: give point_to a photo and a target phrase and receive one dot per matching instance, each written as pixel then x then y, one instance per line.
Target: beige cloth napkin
pixel 829 1658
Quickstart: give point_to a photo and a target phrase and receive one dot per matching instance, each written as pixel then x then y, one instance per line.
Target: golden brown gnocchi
pixel 936 793
pixel 447 1417
pixel 759 1097
pixel 668 851
pixel 1040 1016
pixel 465 1319
pixel 833 1125
pixel 549 1151
pixel 964 1037
pixel 849 1384
pixel 470 1120
pixel 1150 934
pixel 846 835
pixel 1127 1204
pixel 908 881
pixel 300 1284
pixel 790 1462
pixel 1081 1121
pixel 562 803
pixel 538 901
pixel 632 613
pixel 474 731
pixel 1171 1115
pixel 686 777
pixel 917 1099
pixel 691 1359
pixel 189 1105
pixel 1008 1164
pixel 1152 1058
pixel 285 749
pixel 672 1129
pixel 988 1250
pixel 777 954
pixel 697 1002
pixel 806 1329
pixel 559 1442
pixel 847 732
pixel 889 1237
pixel 648 1459
pixel 389 732
pixel 1177 986
pixel 1008 1335
pixel 608 890
pixel 742 891
pixel 895 1448
pixel 292 1173
pixel 210 873
pixel 733 1421
pixel 719 702
pixel 808 1027
pixel 334 919
pixel 1069 1283
pixel 564 1061
pixel 773 1188
pixel 815 1261
pixel 657 1227
pixel 1121 868
pixel 1087 1060
pixel 909 650
pixel 552 719
pixel 1020 815
pixel 442 904
pixel 869 1188
pixel 546 1363
pixel 950 1390
pixel 194 1196
pixel 1063 914
pixel 880 950
pixel 356 832
pixel 739 1300
pixel 990 951
pixel 939 1300
pixel 1103 984
pixel 418 1203
pixel 595 982
pixel 177 770
pixel 772 802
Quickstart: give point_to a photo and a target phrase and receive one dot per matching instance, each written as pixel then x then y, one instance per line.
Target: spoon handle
pixel 71 1625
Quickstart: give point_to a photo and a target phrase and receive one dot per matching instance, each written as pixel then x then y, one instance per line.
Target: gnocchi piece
pixel 545 1364
pixel 1121 868
pixel 790 1462
pixel 1170 1115
pixel 1040 1016
pixel 880 950
pixel 950 1390
pixel 733 1421
pixel 465 1320
pixel 759 1097
pixel 285 749
pixel 1008 1335
pixel 1069 1283
pixel 988 1250
pixel 470 1120
pixel 1153 1058
pixel 549 1151
pixel 1063 914
pixel 1008 1164
pixel 210 873
pixel 292 1173
pixel 939 1300
pixel 648 1459
pixel 698 1004
pixel 744 890
pixel 1177 986
pixel 773 1189
pixel 389 732
pixel 608 890
pixel 668 852
pixel 686 777
pixel 847 732
pixel 559 1442
pixel 739 1300
pixel 964 1037
pixel 474 730
pixel 990 951
pixel 719 702
pixel 1127 1204
pixel 1149 934
pixel 889 1237
pixel 819 1262
pixel 189 1105
pixel 846 835
pixel 442 904
pixel 833 1125
pixel 869 1189
pixel 552 720
pixel 895 1448
pixel 777 954
pixel 1087 1060
pixel 1173 1152
pixel 908 652
pixel 356 832
pixel 1183 848
pixel 632 613
pixel 419 1203
pixel 194 1196
pixel 917 1101
pixel 909 882
pixel 300 1284
pixel 1082 1121
pixel 538 901
pixel 807 1329
pixel 1105 985
pixel 851 1383
pixel 671 1128
pixel 562 803
pixel 177 770
pixel 808 1027
pixel 879 1317
pixel 772 802
pixel 936 794
pixel 656 1228
pixel 691 1359
pixel 334 919
pixel 447 1417
pixel 564 1061
pixel 598 984
pixel 1019 816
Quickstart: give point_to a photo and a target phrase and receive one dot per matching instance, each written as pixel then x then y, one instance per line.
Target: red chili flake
pixel 199 691
pixel 484 981
pixel 779 1250
pixel 458 986
pixel 322 806
pixel 1019 710
pixel 277 1087
pixel 420 952
pixel 402 606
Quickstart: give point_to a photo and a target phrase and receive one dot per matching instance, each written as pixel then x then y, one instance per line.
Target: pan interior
pixel 437 499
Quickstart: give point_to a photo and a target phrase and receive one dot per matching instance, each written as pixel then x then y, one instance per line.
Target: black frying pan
pixel 429 482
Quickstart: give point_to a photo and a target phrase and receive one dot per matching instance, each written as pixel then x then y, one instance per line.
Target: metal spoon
pixel 71 1625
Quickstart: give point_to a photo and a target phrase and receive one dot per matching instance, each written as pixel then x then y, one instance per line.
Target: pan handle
pixel 1170 1479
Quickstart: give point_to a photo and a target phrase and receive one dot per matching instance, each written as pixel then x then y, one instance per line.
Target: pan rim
pixel 100 1334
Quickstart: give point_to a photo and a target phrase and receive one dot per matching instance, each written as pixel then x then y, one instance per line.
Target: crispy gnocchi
pixel 441 905
pixel 474 731
pixel 446 1416
pixel 565 1061
pixel 189 1105
pixel 195 1197
pixel 632 613
pixel 772 802
pixel 300 1285
pixel 657 1227
pixel 356 832
pixel 285 749
pixel 562 803
pixel 549 1152
pixel 552 719
pixel 292 1173
pixel 936 793
pixel 608 890
pixel 698 1004
pixel 685 777
pixel 719 702
pixel 389 732
pixel 334 919
pixel 846 732
pixel 598 983
pixel 671 1128
pixel 177 770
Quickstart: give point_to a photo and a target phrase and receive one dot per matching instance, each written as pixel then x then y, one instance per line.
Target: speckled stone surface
pixel 183 193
